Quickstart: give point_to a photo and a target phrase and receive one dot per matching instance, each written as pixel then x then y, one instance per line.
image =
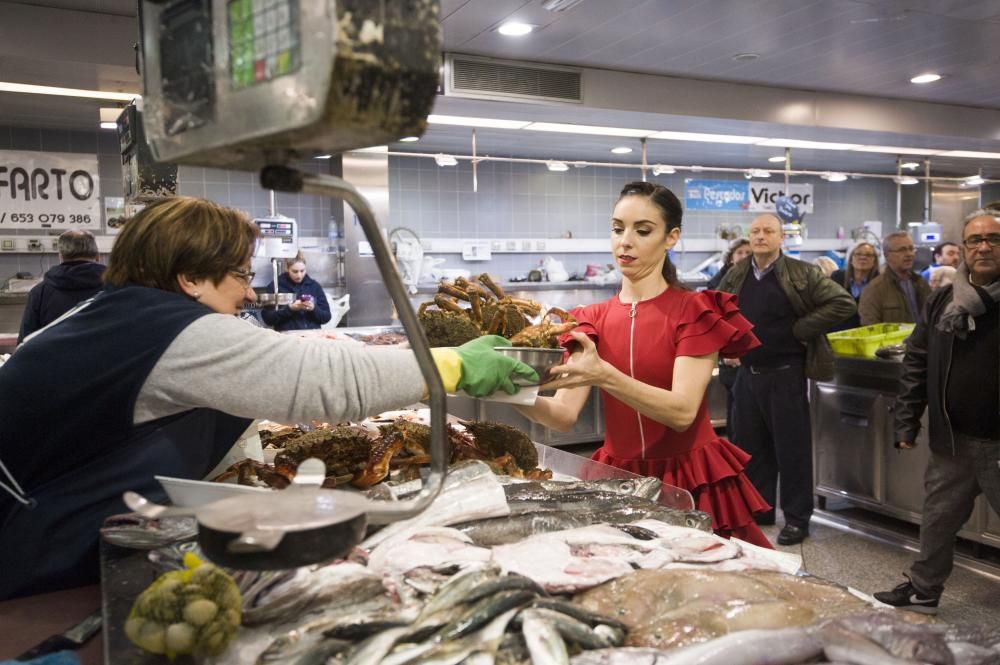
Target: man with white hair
pixel 76 278
pixel 957 337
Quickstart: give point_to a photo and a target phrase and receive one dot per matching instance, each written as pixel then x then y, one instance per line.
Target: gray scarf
pixel 965 305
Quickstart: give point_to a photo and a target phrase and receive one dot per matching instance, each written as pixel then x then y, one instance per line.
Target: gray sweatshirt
pixel 224 363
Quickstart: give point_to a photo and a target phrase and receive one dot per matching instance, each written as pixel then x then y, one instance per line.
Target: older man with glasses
pixel 898 294
pixel 957 337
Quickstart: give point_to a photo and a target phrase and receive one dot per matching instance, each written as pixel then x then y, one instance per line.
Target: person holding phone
pixel 309 308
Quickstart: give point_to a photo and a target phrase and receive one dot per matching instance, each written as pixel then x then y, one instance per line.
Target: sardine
pixel 578 612
pixel 482 612
pixel 572 630
pixel 342 585
pixel 454 590
pixel 375 648
pixel 545 644
pixel 141 533
pixel 505 583
pixel 307 643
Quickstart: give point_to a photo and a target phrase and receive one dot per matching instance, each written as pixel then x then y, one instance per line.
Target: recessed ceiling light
pixel 109 125
pixel 621 150
pixel 973 181
pixel 756 173
pixel 776 159
pixel 409 139
pixel 910 165
pixel 906 180
pixel 322 156
pixel 834 177
pixel 745 57
pixel 926 78
pixel 445 160
pixel 557 166
pixel 515 29
pixel 660 169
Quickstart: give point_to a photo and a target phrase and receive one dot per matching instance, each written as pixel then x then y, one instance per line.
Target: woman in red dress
pixel 651 350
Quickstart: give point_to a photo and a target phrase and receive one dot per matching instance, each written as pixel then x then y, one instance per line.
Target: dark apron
pixel 53 544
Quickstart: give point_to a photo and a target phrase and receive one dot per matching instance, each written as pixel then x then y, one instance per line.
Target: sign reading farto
pixel 743 195
pixel 49 190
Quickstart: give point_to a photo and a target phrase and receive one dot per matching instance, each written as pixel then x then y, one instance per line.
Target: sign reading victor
pixel 764 194
pixel 715 194
pixel 49 190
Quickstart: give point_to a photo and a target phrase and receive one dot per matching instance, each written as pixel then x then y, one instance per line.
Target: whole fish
pixel 336 586
pixel 505 583
pixel 786 646
pixel 483 612
pixel 572 630
pixel 899 638
pixel 142 533
pixel 578 612
pixel 545 644
pixel 454 590
pixel 306 643
pixel 646 488
pixel 841 644
pixel 375 648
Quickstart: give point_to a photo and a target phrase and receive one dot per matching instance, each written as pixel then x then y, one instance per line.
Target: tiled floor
pixel 868 564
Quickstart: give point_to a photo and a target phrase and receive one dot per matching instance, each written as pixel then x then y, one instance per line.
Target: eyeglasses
pixel 245 275
pixel 907 249
pixel 973 242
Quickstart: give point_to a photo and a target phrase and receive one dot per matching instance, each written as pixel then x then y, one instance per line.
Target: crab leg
pixel 477 310
pixel 529 307
pixel 561 313
pixel 453 291
pixel 488 282
pixel 446 304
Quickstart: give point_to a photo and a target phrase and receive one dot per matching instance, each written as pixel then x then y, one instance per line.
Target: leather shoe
pixel 792 535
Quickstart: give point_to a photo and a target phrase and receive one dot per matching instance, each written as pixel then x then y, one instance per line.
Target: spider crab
pixel 490 311
pixel 545 335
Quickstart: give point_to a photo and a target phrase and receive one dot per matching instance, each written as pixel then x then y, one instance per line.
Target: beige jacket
pixel 883 300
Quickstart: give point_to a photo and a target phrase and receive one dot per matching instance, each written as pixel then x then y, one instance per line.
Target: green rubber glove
pixel 484 371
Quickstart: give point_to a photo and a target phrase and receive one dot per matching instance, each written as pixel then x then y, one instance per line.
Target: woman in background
pixel 861 268
pixel 309 308
pixel 651 350
pixel 738 250
pixel 826 264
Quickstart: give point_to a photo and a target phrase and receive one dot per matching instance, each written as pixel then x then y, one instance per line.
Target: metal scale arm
pixel 286 179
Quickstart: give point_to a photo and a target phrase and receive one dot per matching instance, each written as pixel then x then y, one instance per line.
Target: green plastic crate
pixel 864 341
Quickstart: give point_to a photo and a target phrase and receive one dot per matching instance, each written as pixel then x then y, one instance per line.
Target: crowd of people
pixel 182 370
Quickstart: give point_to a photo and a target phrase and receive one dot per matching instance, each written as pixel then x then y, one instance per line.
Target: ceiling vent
pixel 486 78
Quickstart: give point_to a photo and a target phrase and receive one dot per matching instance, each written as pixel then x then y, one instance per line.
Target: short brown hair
pixel 180 236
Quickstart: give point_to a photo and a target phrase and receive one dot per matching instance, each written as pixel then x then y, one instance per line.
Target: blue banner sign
pixel 729 195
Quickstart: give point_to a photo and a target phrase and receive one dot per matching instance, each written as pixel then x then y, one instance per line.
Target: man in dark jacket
pixel 76 278
pixel 898 294
pixel 792 304
pixel 957 337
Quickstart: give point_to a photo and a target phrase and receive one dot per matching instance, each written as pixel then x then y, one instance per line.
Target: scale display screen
pixel 264 40
pixel 283 230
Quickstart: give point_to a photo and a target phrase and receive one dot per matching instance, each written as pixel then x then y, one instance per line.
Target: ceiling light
pixel 445 160
pixel 697 169
pixel 906 180
pixel 910 165
pixel 374 148
pixel 409 139
pixel 67 92
pixel 705 138
pixel 660 169
pixel 322 156
pixel 756 173
pixel 560 5
pixel 557 166
pixel 834 177
pixel 893 150
pixel 745 57
pixel 926 78
pixel 809 145
pixel 621 150
pixel 972 154
pixel 109 114
pixel 109 125
pixel 494 123
pixel 973 181
pixel 776 159
pixel 588 129
pixel 579 165
pixel 515 29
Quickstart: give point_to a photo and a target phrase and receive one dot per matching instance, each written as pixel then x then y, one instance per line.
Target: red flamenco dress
pixel 642 340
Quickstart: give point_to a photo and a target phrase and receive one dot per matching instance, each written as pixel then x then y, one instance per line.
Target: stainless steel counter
pixel 854 452
pixel 12 311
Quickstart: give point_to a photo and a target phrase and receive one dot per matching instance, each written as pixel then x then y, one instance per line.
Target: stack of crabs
pixel 490 311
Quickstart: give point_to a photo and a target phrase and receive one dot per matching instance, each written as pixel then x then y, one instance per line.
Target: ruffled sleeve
pixel 710 322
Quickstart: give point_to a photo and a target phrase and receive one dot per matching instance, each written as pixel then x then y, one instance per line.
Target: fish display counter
pixel 854 454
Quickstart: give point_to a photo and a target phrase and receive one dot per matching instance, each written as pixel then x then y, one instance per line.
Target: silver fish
pixel 340 586
pixel 141 533
pixel 307 643
pixel 452 591
pixel 375 648
pixel 578 612
pixel 545 644
pixel 483 612
pixel 572 630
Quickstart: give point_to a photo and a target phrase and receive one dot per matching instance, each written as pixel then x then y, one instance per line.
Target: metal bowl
pixel 272 300
pixel 540 360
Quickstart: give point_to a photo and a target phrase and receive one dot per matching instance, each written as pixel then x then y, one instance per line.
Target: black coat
pixel 925 378
pixel 282 318
pixel 63 288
